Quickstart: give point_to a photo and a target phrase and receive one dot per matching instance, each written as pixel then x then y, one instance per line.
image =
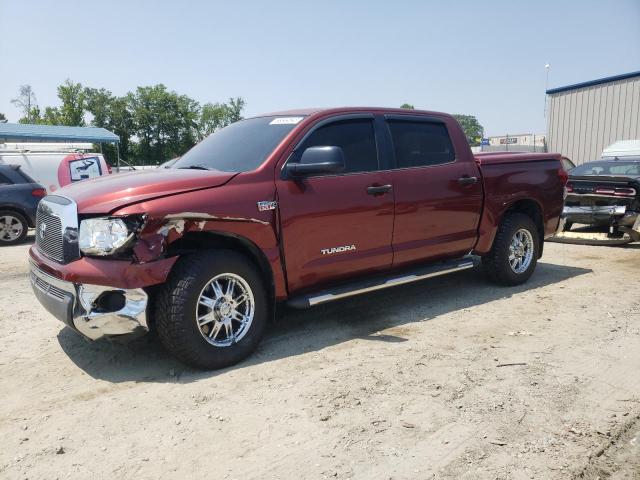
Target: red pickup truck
pixel 302 207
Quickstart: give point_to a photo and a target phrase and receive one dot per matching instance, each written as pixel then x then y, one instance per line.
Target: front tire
pixel 13 227
pixel 515 251
pixel 212 311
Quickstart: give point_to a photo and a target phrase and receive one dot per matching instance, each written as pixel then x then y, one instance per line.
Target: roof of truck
pixel 311 111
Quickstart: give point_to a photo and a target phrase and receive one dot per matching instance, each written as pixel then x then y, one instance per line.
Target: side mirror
pixel 317 160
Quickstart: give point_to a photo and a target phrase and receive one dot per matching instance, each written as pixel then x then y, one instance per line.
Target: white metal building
pixel 584 118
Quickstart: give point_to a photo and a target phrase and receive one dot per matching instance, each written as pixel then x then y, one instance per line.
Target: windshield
pixel 616 167
pixel 240 147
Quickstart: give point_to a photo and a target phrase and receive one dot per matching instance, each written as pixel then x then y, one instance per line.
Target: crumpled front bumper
pixel 95 311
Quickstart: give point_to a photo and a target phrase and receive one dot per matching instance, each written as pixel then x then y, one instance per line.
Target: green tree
pixel 70 113
pixel 471 127
pixel 164 122
pixel 51 116
pixel 233 110
pixel 214 116
pixel 121 123
pixel 153 123
pixel 33 116
pixel 72 110
pixel 112 113
pixel 408 106
pixel 26 101
pixel 3 119
pixel 98 102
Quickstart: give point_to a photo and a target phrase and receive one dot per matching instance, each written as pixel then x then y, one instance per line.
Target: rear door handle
pixel 378 189
pixel 466 180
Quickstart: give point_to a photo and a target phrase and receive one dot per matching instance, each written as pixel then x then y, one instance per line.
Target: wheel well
pixel 193 242
pixel 533 211
pixel 18 210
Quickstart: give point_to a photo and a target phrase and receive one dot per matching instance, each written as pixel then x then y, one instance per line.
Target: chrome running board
pixel 378 283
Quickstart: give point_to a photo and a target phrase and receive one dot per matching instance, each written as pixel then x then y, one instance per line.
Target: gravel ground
pixel 449 378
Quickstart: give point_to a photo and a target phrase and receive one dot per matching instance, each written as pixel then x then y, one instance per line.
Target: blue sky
pixel 480 58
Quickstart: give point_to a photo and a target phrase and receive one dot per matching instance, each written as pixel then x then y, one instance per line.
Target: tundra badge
pixel 344 248
pixel 266 205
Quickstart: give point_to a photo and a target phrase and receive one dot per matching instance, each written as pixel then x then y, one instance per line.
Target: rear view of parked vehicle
pixel 19 197
pixel 54 167
pixel 606 194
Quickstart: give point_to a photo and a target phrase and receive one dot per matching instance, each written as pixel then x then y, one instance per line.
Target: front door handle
pixel 378 189
pixel 466 180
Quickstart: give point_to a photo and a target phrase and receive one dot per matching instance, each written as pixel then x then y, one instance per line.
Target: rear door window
pixel 355 137
pixel 420 144
pixel 83 168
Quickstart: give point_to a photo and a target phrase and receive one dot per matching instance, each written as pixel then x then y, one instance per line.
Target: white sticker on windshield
pixel 285 121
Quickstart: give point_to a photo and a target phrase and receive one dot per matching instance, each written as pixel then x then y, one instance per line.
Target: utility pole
pixel 546 87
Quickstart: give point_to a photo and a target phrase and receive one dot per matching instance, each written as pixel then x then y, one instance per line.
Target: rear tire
pixel 13 227
pixel 200 322
pixel 514 254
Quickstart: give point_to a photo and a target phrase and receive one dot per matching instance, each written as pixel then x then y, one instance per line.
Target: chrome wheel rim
pixel 10 228
pixel 225 310
pixel 521 251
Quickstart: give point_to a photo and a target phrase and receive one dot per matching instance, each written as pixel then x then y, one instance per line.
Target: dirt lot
pixel 410 383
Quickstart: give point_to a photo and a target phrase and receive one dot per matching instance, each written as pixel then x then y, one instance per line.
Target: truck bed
pixel 509 178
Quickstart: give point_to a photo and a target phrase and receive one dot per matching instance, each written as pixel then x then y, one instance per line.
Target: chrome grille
pixel 49 235
pixel 57 223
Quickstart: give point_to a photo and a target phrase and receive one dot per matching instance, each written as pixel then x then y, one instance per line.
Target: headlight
pixel 103 236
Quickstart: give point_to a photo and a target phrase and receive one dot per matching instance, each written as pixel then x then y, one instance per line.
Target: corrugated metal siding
pixel 583 121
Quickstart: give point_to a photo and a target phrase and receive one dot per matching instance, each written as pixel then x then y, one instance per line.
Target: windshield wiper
pixel 200 166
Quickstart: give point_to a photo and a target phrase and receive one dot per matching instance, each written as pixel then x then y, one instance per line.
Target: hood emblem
pixel 43 229
pixel 267 205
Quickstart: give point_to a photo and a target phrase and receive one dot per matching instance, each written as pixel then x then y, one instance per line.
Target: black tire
pixel 567 226
pixel 4 238
pixel 176 307
pixel 496 262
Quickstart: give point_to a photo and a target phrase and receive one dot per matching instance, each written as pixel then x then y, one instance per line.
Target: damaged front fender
pixel 156 238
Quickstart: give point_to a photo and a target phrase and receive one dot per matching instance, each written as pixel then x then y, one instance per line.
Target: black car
pixel 605 193
pixel 19 197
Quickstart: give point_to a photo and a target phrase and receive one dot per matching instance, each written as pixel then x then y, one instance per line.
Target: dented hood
pixel 110 192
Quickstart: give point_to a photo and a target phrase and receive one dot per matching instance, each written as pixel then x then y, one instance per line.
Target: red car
pixel 302 207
